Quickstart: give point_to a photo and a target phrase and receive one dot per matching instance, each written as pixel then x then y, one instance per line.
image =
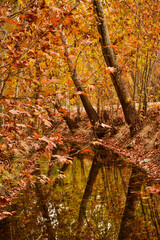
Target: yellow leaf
pixel 21 3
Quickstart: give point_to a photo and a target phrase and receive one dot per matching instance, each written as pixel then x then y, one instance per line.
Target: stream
pixel 95 199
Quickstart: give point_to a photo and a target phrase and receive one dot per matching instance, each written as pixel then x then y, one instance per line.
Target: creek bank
pixel 142 150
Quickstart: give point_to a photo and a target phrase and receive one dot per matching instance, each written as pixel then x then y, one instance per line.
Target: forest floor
pixel 143 149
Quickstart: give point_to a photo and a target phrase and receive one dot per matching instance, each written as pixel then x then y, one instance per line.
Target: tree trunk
pixel 129 110
pixel 92 115
pixel 70 123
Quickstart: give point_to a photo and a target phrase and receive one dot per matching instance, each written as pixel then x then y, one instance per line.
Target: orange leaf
pixel 114 46
pixel 86 151
pixel 22 16
pixel 83 80
pixel 9 21
pixel 73 149
pixel 67 20
pixel 36 136
pixel 54 20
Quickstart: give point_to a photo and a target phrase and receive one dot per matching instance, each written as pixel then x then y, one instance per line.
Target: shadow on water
pixel 114 203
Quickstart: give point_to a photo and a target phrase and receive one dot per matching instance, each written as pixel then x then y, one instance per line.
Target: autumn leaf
pixel 70 56
pixel 91 87
pixel 86 151
pixel 9 21
pixel 55 20
pixel 67 20
pixel 68 162
pixel 85 42
pixel 73 149
pixel 53 80
pixel 47 123
pixel 7 213
pixel 83 80
pixel 37 136
pixel 114 47
pixel 21 125
pixel 13 111
pixel 81 92
pixel 110 70
pixel 55 9
pixel 22 16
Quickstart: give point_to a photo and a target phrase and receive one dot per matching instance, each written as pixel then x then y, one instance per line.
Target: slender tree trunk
pixel 129 110
pixel 92 115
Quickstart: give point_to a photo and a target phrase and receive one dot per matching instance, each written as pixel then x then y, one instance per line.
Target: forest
pixel 79 119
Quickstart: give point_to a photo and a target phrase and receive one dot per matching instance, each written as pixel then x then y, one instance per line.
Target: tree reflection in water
pixel 113 204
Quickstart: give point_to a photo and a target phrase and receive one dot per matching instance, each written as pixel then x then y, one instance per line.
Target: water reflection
pixel 113 204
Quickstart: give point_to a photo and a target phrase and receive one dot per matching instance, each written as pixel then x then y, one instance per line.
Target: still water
pixel 95 199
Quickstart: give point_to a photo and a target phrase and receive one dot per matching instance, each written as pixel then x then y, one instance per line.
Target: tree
pixel 93 116
pixel 116 73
